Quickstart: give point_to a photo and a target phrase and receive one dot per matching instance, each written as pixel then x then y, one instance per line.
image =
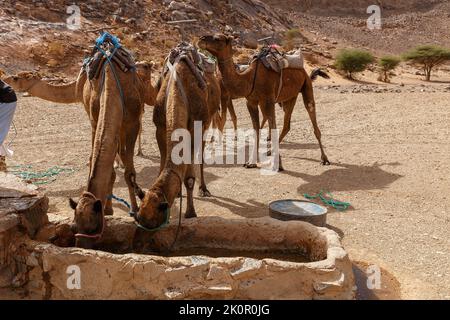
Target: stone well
pixel 237 259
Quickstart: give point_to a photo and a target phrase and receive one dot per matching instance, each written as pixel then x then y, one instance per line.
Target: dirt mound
pixel 35 34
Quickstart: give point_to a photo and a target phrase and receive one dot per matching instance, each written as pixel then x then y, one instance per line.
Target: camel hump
pixel 107 48
pixel 197 62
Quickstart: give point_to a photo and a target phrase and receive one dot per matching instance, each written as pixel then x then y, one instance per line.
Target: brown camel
pixel 73 92
pixel 180 102
pixel 115 128
pixel 115 124
pixel 260 86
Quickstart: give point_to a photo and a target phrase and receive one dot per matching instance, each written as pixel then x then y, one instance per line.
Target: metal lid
pixel 297 208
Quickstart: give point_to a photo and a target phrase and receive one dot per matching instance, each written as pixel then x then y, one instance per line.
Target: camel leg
pixel 288 108
pixel 109 211
pixel 310 105
pixel 94 127
pixel 140 153
pixel 268 110
pixel 263 122
pixel 203 190
pixel 233 114
pixel 161 139
pixel 130 171
pixel 189 183
pixel 252 107
pixel 224 103
pixel 118 163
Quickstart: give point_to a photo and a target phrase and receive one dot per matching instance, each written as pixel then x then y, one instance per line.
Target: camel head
pixel 218 45
pixel 88 220
pixel 144 71
pixel 153 211
pixel 23 81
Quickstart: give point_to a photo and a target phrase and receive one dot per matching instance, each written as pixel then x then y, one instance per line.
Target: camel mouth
pixel 149 224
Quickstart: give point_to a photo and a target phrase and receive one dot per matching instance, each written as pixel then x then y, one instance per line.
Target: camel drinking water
pixel 186 94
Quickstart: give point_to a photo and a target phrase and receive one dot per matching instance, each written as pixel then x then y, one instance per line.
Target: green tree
pixel 353 60
pixel 387 64
pixel 427 57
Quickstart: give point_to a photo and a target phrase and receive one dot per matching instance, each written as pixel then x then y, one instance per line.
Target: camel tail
pixel 317 72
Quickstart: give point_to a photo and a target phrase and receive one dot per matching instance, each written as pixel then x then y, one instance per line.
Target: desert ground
pixel 389 147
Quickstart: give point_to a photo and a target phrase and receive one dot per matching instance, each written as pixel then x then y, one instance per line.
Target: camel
pixel 116 125
pixel 180 102
pixel 260 86
pixel 73 92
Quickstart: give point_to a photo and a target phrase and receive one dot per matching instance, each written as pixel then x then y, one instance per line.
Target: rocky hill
pixel 34 34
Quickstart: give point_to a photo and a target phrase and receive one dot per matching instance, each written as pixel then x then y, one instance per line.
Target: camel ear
pixel 73 204
pixel 163 206
pixel 98 206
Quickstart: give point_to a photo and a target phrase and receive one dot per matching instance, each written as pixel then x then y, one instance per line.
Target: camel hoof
pixel 190 214
pixel 204 193
pixel 325 162
pixel 109 211
pixel 250 166
pixel 280 169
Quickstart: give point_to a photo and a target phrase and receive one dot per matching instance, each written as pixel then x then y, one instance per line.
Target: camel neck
pixel 238 84
pixel 170 184
pixel 106 138
pixel 66 93
pixel 150 93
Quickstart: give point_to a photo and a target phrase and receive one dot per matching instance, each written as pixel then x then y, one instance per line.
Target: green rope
pixel 39 178
pixel 338 205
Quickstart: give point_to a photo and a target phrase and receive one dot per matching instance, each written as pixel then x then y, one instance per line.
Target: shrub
pixel 427 57
pixel 289 38
pixel 353 60
pixel 387 64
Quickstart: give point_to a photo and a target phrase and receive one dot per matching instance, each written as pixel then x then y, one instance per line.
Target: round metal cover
pixel 298 210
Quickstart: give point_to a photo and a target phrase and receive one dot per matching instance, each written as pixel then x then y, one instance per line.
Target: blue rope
pixel 104 36
pixel 123 201
pixel 116 42
pixel 133 214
